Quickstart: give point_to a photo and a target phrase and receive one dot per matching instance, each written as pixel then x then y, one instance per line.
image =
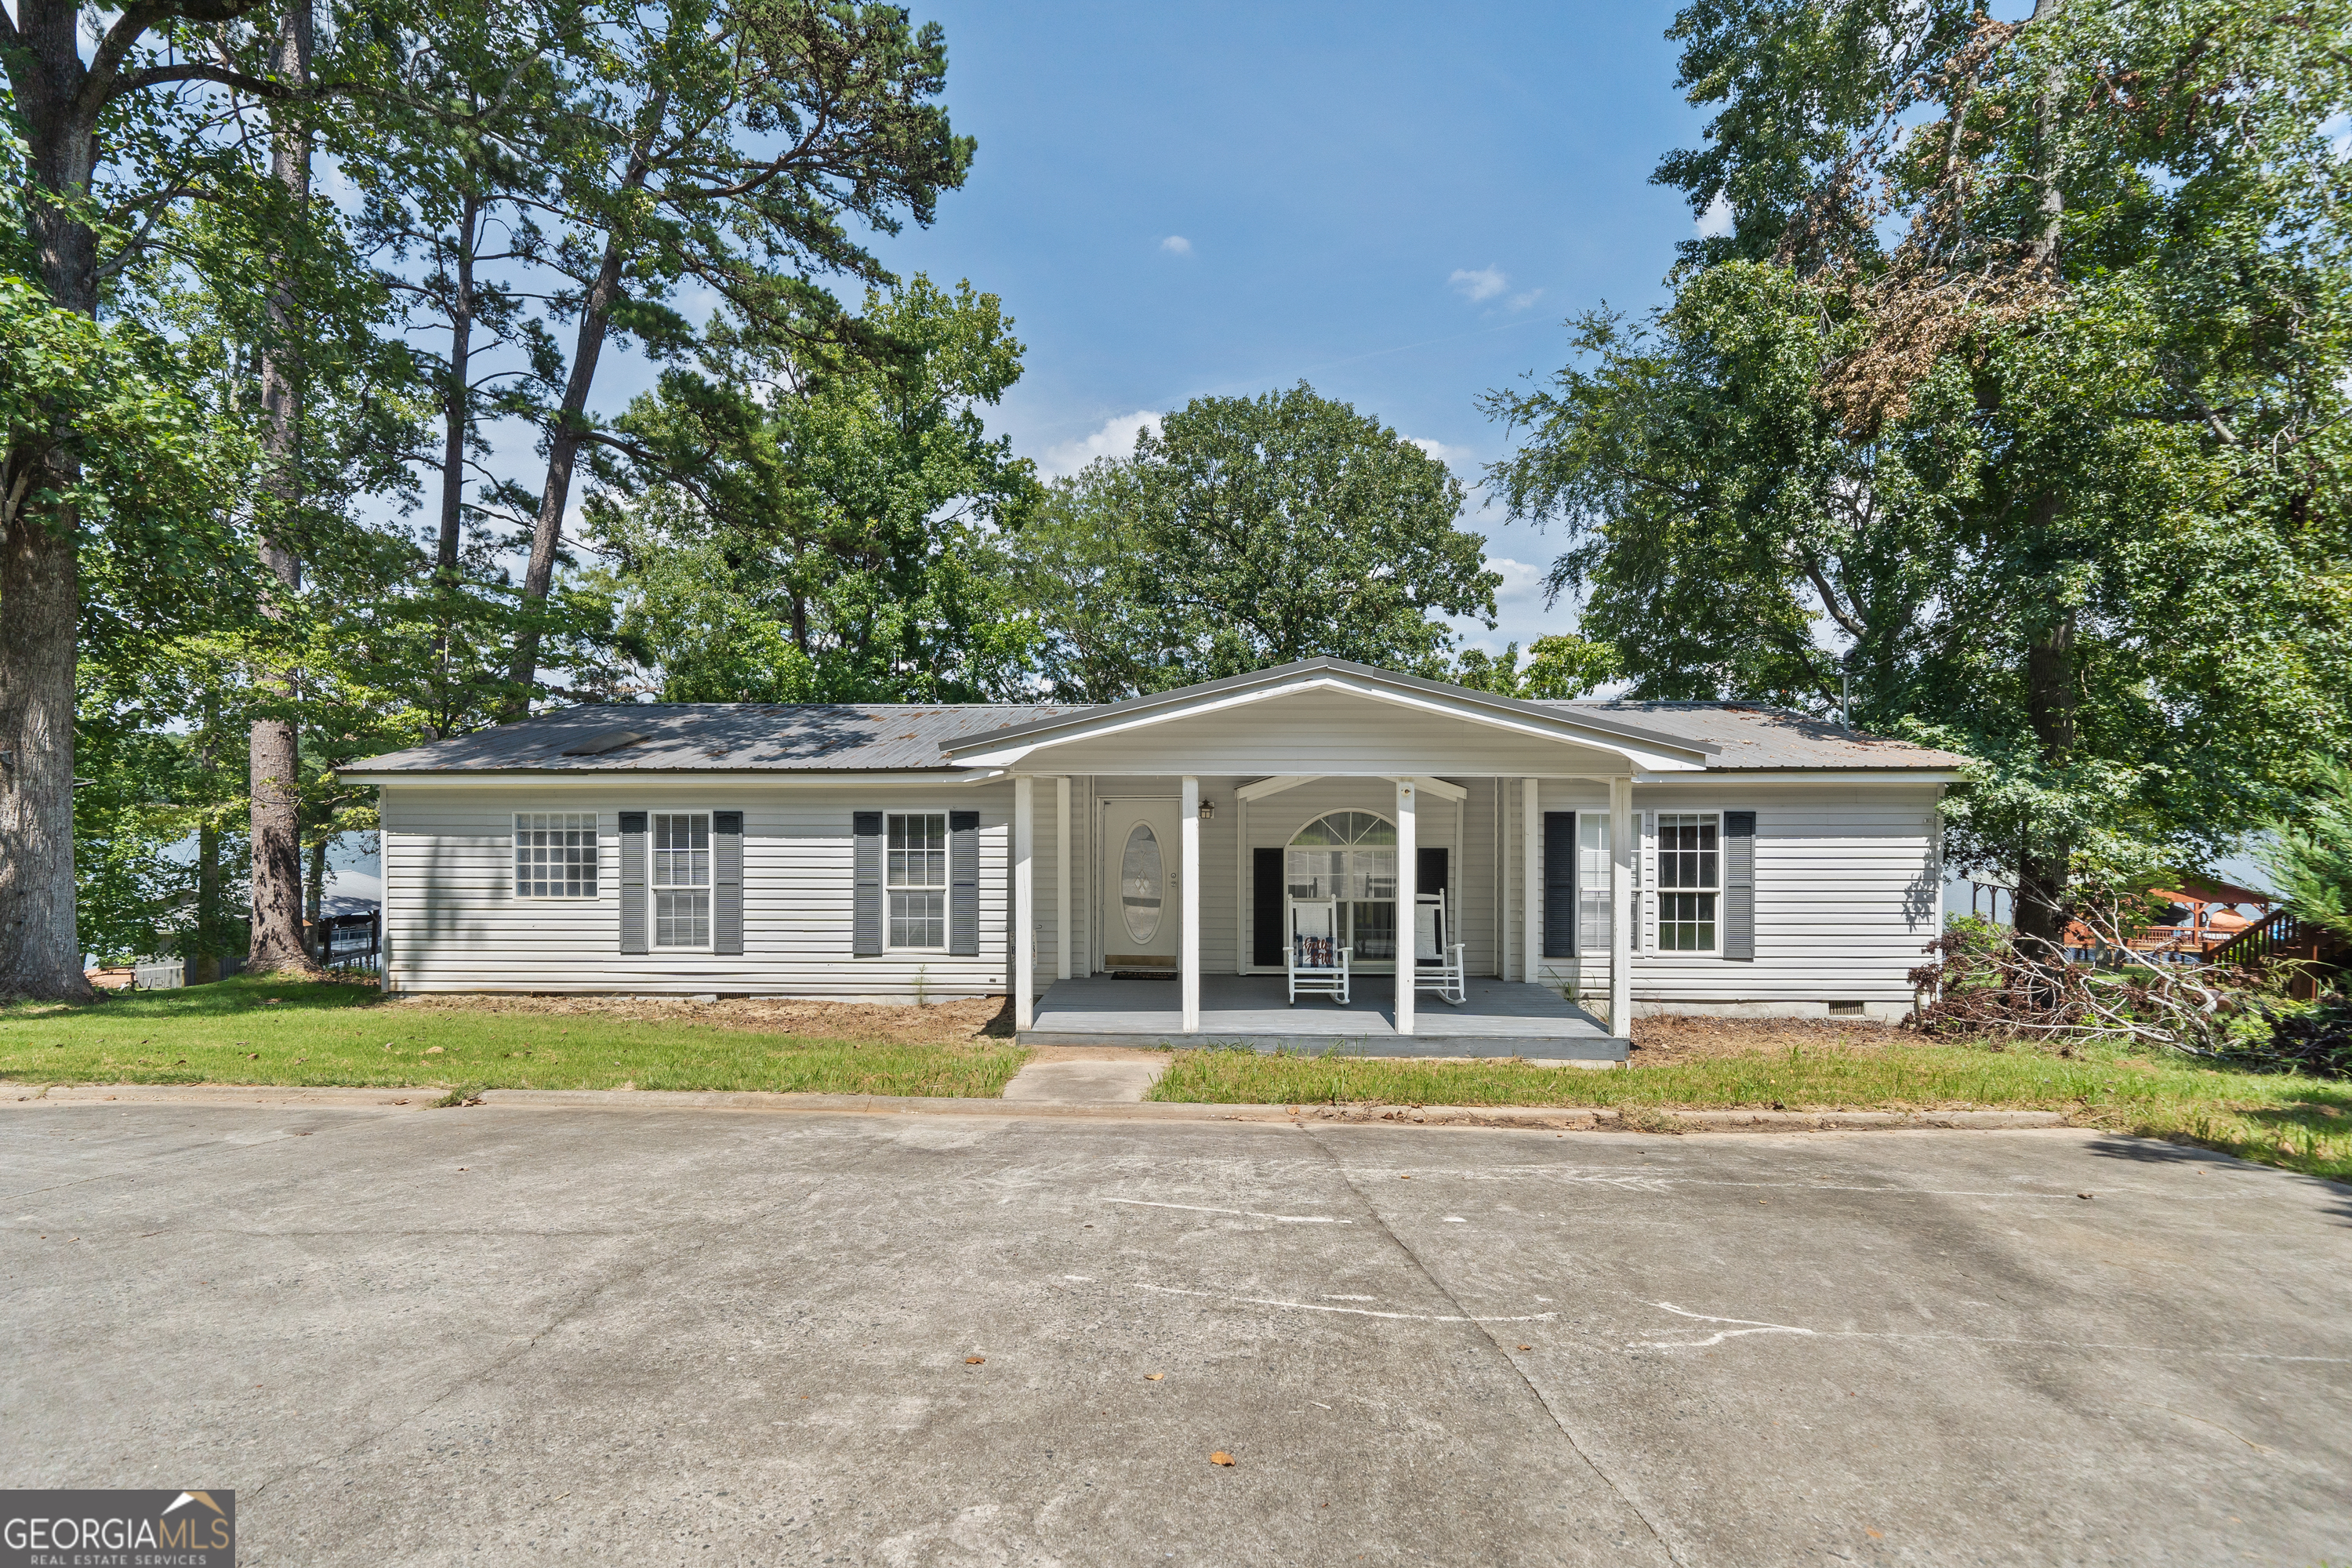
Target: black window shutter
pixel 1560 884
pixel 964 883
pixel 1740 885
pixel 865 884
pixel 633 882
pixel 1429 869
pixel 726 882
pixel 1265 907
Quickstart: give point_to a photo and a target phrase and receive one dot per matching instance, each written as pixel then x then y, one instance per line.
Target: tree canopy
pixel 2015 398
pixel 1248 532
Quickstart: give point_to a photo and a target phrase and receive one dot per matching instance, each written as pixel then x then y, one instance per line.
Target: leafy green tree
pixel 2015 398
pixel 1076 560
pixel 458 210
pixel 1252 531
pixel 1559 669
pixel 820 516
pixel 740 138
pixel 2309 856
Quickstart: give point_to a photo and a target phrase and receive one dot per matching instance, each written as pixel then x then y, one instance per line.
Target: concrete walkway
pixel 1087 1082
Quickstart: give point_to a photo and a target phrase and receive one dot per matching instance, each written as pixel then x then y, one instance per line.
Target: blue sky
pixel 1400 205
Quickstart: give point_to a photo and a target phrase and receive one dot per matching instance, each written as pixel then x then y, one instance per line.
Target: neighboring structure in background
pixel 348 933
pixel 1628 856
pixel 2193 921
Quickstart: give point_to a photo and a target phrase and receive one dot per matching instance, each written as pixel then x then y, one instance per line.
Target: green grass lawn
pixel 2303 1123
pixel 262 1031
pixel 258 1030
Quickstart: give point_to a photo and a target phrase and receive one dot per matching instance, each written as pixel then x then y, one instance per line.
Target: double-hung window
pixel 680 882
pixel 1690 879
pixel 915 879
pixel 555 855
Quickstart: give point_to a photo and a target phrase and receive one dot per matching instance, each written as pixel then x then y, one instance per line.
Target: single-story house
pixel 1146 868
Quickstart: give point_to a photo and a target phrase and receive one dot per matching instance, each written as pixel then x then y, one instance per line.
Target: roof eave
pixel 1208 696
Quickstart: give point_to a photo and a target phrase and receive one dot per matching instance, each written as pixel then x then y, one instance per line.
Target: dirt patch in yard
pixel 1672 1038
pixel 959 1023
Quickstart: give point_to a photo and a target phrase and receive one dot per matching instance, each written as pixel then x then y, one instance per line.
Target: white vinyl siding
pixel 915 880
pixel 447 863
pixel 1848 891
pixel 555 855
pixel 1315 732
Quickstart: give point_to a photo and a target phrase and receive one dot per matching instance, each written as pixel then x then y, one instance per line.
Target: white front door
pixel 1140 861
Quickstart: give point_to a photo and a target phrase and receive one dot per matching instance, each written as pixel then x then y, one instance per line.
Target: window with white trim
pixel 680 882
pixel 555 854
pixel 1690 879
pixel 915 879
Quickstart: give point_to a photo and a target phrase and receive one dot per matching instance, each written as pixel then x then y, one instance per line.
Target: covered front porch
pixel 1498 1018
pixel 1313 817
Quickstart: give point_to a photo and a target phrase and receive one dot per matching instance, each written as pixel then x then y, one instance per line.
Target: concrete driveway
pixel 506 1335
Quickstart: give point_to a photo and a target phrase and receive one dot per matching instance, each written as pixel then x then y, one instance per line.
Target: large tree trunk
pixel 457 406
pixel 2043 903
pixel 275 759
pixel 563 453
pixel 571 420
pixel 314 898
pixel 40 587
pixel 205 962
pixel 40 954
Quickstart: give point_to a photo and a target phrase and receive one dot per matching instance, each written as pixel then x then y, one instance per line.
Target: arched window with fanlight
pixel 1350 855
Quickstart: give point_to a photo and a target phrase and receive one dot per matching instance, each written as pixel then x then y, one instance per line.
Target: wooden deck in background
pixel 1499 1019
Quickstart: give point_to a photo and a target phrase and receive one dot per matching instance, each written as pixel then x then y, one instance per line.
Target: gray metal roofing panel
pixel 1275 675
pixel 890 737
pixel 718 736
pixel 1749 735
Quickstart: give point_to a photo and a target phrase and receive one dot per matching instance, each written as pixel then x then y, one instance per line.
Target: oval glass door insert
pixel 1140 884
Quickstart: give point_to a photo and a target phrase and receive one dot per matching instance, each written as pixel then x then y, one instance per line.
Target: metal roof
pixel 687 737
pixel 1179 697
pixel 897 737
pixel 1749 735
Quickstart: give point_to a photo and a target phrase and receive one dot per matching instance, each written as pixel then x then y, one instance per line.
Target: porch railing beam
pixel 1061 970
pixel 1621 906
pixel 1530 881
pixel 1024 901
pixel 1408 879
pixel 1188 942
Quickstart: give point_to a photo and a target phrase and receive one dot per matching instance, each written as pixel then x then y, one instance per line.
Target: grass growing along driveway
pixel 264 1031
pixel 2279 1119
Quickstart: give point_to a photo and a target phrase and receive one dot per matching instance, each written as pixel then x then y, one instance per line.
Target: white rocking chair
pixel 1315 962
pixel 1437 965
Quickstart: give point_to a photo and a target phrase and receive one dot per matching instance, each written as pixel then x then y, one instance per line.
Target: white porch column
pixel 1407 885
pixel 1061 970
pixel 1530 881
pixel 1024 902
pixel 1621 906
pixel 1188 937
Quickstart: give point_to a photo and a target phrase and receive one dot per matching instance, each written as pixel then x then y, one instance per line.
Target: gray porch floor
pixel 1499 1019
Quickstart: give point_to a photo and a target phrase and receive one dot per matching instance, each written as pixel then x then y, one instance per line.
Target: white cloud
pixel 1717 220
pixel 1114 439
pixel 1521 301
pixel 1483 284
pixel 1177 244
pixel 1522 585
pixel 1452 456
